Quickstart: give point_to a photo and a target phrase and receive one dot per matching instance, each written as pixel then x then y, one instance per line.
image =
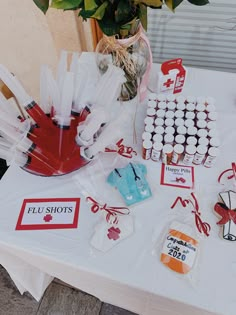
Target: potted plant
pixel 114 17
pixel 122 22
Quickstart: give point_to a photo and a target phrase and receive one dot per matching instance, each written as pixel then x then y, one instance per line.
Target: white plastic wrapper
pixel 226 211
pixel 97 181
pixel 178 249
pixel 225 208
pixel 115 223
pixel 227 178
pixel 107 235
pixel 178 245
pixel 93 179
pixel 115 180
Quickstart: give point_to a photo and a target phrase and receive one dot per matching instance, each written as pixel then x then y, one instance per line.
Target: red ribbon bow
pixel 180 179
pixel 225 213
pixel 122 150
pixel 112 212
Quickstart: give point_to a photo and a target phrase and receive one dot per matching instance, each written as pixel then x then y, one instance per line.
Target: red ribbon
pixel 112 212
pixel 231 171
pixel 184 202
pixel 122 150
pixel 225 213
pixel 203 227
pixel 180 179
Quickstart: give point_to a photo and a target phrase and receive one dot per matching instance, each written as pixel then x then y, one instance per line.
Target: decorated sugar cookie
pixel 172 76
pixel 115 225
pixel 227 211
pixel 180 248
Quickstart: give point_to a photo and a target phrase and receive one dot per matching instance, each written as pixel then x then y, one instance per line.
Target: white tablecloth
pixel 130 275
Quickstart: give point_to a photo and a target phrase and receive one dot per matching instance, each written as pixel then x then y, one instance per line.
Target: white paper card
pixel 52 213
pixel 177 176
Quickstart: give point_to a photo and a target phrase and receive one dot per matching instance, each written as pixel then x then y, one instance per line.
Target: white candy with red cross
pixel 172 76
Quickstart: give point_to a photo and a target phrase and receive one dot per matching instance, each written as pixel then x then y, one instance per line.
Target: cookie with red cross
pixel 172 76
pixel 107 234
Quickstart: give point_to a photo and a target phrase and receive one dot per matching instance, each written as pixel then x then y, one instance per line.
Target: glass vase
pixel 131 54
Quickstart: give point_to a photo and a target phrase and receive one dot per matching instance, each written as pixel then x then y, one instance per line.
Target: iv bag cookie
pixel 180 248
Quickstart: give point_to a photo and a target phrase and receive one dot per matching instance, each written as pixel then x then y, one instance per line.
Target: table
pixel 130 275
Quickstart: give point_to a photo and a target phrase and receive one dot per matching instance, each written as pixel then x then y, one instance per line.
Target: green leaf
pixel 176 3
pixel 125 12
pixel 90 5
pixel 66 4
pixel 173 4
pixel 99 14
pixel 86 14
pixel 109 27
pixel 143 15
pixel 131 26
pixel 199 2
pixel 42 5
pixel 152 3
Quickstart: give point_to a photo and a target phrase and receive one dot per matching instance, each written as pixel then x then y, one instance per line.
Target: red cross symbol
pixel 168 83
pixel 47 218
pixel 113 233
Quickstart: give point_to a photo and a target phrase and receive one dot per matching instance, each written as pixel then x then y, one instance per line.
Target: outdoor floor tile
pixel 11 301
pixel 59 299
pixel 63 300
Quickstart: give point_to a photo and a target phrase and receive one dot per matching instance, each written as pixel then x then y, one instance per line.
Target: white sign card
pixel 51 213
pixel 177 176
